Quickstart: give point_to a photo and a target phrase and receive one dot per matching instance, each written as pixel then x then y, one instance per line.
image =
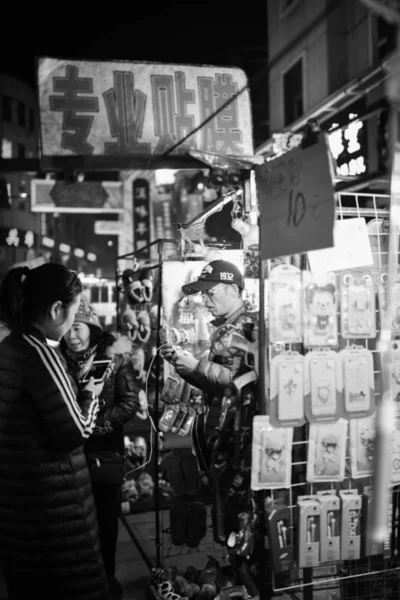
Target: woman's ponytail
pixel 12 296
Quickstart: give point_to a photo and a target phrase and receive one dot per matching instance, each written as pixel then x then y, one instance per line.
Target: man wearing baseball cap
pixel 222 443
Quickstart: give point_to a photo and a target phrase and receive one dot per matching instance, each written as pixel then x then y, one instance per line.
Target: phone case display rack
pixel 376 574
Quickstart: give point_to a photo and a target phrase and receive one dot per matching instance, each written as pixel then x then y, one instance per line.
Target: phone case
pixel 181 416
pixel 382 290
pixel 285 318
pixel 320 310
pixel 362 446
pixel 168 417
pixel 323 386
pixel 287 390
pixel 326 459
pixel 358 382
pixel 358 305
pixel 271 455
pixel 188 422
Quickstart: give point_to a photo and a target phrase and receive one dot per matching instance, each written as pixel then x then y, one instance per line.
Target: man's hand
pixel 168 352
pixel 183 361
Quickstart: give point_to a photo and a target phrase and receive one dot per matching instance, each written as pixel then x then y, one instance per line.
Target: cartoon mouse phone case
pixel 323 387
pixel 285 320
pixel 358 305
pixel 358 382
pixel 382 291
pixel 319 310
pixel 287 390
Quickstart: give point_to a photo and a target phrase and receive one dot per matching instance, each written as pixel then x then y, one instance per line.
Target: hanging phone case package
pixel 323 386
pixel 395 454
pixel 326 458
pixel 287 390
pixel 357 305
pixel 350 539
pixel 362 446
pixel 382 292
pixel 330 526
pixel 271 466
pixel 320 310
pixel 279 535
pixel 358 382
pixel 370 548
pixel 309 511
pixel 395 373
pixel 285 299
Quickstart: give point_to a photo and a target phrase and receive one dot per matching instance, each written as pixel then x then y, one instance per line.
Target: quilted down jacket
pixel 48 525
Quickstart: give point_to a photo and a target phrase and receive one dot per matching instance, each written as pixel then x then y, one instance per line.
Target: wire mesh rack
pixel 376 576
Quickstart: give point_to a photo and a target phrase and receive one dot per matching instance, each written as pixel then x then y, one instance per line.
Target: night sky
pixel 180 31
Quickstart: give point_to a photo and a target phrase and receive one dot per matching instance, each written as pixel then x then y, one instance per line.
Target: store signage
pixel 13 238
pixel 141 216
pixel 47 242
pixel 348 148
pixel 164 213
pixel 17 237
pixel 121 108
pixel 80 197
pixel 107 227
pixel 297 205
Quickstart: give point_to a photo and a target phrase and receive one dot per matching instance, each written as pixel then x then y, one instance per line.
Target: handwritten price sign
pixel 297 204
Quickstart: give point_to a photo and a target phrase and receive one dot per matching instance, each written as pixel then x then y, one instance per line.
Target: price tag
pixel 297 204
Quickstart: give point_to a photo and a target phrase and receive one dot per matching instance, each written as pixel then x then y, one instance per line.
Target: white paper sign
pixel 351 250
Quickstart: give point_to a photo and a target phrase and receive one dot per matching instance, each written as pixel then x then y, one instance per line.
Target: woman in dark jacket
pixel 48 531
pixel 120 401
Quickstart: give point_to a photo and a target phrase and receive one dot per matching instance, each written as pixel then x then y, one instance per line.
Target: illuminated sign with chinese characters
pixel 347 147
pixel 121 108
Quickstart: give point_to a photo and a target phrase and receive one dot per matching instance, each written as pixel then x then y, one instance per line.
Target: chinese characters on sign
pixel 348 147
pixel 141 216
pixel 297 206
pixel 94 108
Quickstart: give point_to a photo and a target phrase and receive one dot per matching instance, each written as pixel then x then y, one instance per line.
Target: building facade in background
pixel 20 237
pixel 326 60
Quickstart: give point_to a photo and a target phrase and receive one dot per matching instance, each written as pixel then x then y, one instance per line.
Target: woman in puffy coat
pixel 48 529
pixel 120 400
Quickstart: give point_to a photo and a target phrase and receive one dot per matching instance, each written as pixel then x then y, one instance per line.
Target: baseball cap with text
pixel 217 271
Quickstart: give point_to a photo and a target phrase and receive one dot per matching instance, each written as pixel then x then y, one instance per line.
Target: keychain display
pixel 271 466
pixel 319 310
pixel 285 300
pixel 358 305
pixel 287 390
pixel 327 451
pixel 358 382
pixel 323 386
pixel 396 301
pixel 362 446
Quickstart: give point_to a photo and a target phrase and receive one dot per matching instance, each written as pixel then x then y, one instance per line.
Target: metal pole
pixel 156 411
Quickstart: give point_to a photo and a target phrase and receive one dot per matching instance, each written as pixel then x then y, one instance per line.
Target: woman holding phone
pixel 48 531
pixel 87 349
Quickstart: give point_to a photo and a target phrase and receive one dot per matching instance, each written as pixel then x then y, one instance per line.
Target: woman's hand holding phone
pixel 143 406
pixel 91 386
